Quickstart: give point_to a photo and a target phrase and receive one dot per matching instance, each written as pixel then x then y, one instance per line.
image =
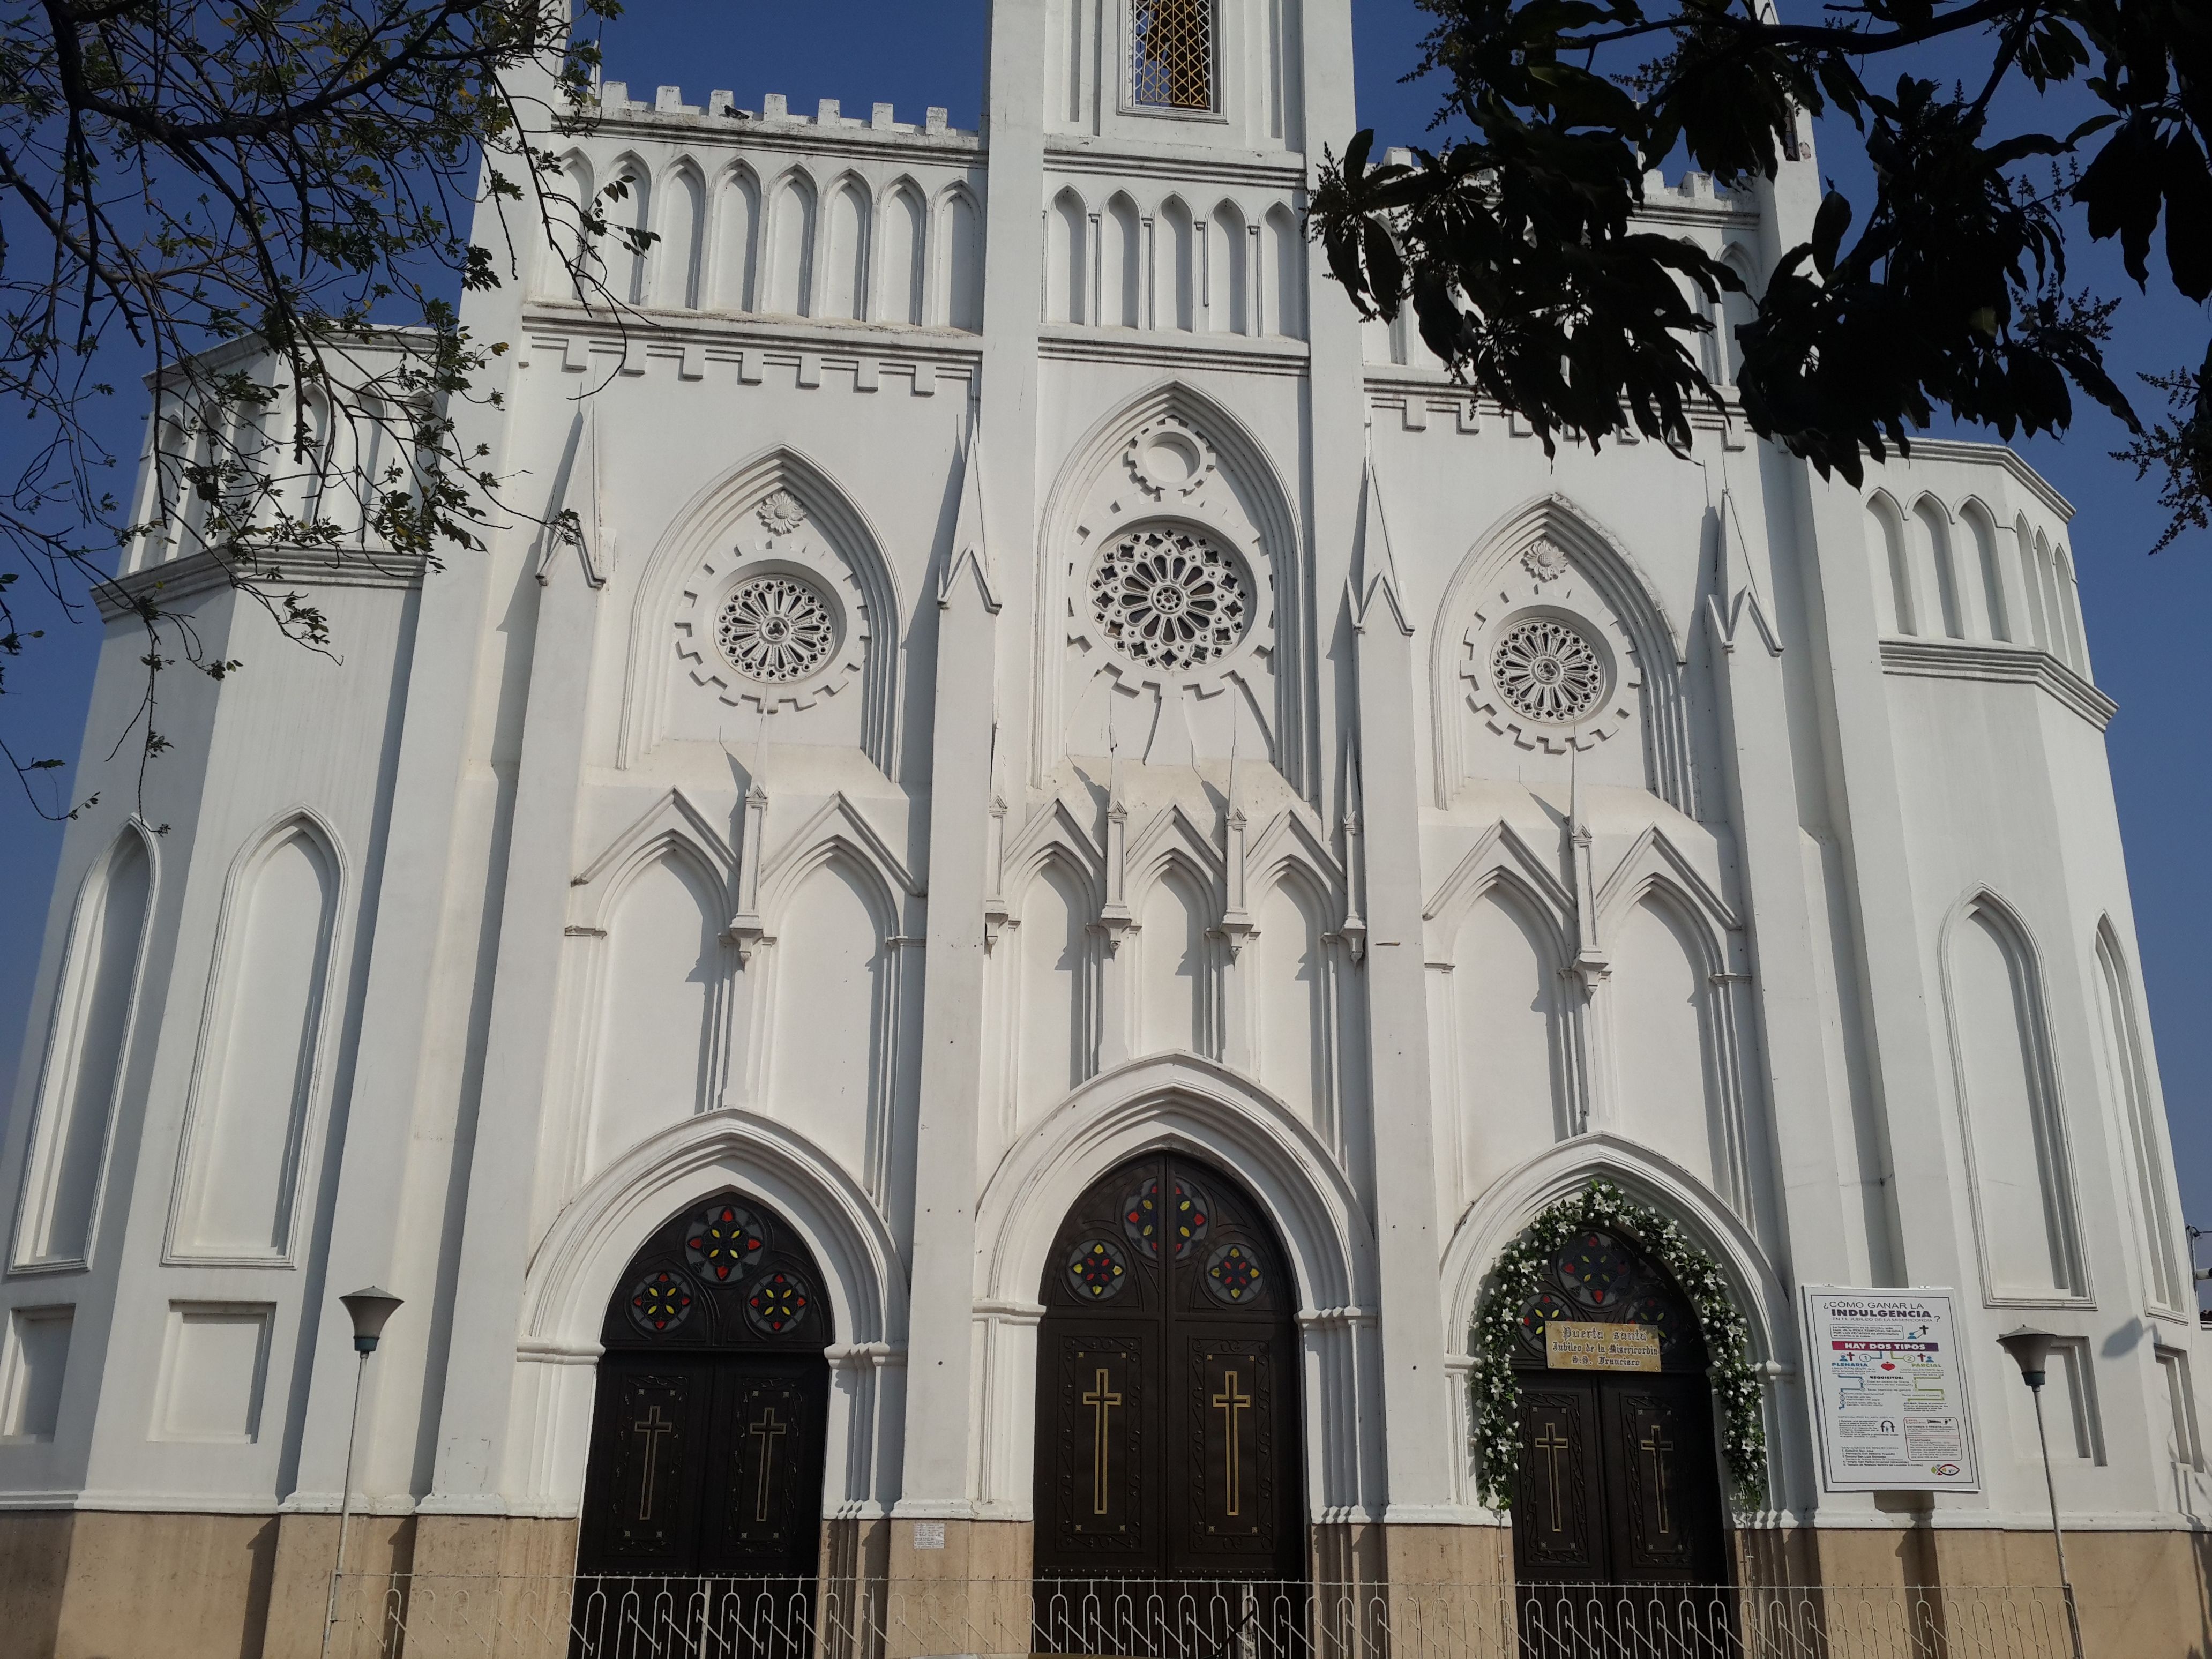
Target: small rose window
pixel 776 628
pixel 1546 669
pixel 1169 598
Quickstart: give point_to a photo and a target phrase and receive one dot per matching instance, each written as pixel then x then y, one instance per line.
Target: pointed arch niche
pixel 87 1046
pixel 646 984
pixel 2135 1093
pixel 776 514
pixel 257 1082
pixel 1088 695
pixel 1509 1022
pixel 832 1014
pixel 1048 968
pixel 2012 1115
pixel 1547 559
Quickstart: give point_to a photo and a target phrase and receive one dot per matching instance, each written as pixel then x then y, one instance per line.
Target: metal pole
pixel 2057 1537
pixel 345 1510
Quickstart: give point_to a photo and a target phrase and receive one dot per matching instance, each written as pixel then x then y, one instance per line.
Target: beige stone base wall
pixel 2141 1595
pixel 93 1585
pixel 96 1585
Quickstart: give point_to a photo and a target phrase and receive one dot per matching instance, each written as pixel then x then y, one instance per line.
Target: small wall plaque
pixel 929 1534
pixel 1572 1346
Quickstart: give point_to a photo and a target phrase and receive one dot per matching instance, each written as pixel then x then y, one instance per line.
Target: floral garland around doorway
pixel 1497 1393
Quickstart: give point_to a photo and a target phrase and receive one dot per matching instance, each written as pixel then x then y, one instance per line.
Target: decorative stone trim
pixel 1496 1397
pixel 169 585
pixel 1956 660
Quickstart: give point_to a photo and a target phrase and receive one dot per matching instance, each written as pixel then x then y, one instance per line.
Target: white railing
pixel 424 1616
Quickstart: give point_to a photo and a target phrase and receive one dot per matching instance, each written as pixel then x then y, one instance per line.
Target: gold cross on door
pixel 1230 1402
pixel 1102 1400
pixel 767 1431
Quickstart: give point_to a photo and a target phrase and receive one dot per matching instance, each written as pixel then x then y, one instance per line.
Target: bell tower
pixel 1211 74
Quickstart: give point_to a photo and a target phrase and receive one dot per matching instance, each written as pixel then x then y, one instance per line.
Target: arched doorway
pixel 1168 1414
pixel 705 1471
pixel 1619 1484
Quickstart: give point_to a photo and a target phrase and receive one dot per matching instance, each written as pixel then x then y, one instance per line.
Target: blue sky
pixel 2144 614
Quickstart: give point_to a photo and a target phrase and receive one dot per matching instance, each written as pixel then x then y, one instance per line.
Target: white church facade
pixel 977 974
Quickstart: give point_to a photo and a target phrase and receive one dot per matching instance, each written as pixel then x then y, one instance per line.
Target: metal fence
pixel 421 1616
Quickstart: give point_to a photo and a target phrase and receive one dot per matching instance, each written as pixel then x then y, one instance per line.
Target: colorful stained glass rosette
pixel 660 1302
pixel 724 1242
pixel 1232 1276
pixel 779 1301
pixel 1187 1220
pixel 1097 1270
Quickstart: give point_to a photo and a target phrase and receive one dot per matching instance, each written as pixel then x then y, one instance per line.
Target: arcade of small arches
pixel 1237 267
pixel 870 244
pixel 1961 573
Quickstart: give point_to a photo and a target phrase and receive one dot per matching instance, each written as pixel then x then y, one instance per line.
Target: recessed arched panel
pixel 845 282
pixel 1066 260
pixel 629 215
pixel 832 1051
pixel 1284 291
pixel 899 285
pixel 962 263
pixel 1230 264
pixel 573 192
pixel 1055 1051
pixel 1936 567
pixel 1175 278
pixel 2014 1128
pixel 678 255
pixel 791 250
pixel 737 242
pixel 1986 570
pixel 660 1037
pixel 256 1091
pixel 1295 1041
pixel 1120 265
pixel 1176 970
pixel 85 1052
pixel 1508 1000
pixel 2137 1098
pixel 1659 988
pixel 1886 557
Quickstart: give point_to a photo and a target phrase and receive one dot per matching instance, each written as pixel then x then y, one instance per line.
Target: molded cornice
pixel 166 585
pixel 1957 659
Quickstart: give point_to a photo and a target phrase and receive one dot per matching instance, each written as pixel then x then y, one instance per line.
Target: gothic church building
pixel 970 984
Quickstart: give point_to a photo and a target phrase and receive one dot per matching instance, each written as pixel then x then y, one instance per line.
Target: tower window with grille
pixel 1171 54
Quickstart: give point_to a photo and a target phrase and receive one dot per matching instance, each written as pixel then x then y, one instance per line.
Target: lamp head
pixel 2030 1349
pixel 369 1310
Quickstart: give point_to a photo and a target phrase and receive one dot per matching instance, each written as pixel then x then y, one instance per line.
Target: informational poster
pixel 1577 1345
pixel 1891 1388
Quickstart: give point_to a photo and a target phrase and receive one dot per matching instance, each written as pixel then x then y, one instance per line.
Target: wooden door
pixel 702 1497
pixel 1618 1484
pixel 1618 1526
pixel 1168 1412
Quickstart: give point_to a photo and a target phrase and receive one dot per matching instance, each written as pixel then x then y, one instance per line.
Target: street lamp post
pixel 369 1310
pixel 2030 1350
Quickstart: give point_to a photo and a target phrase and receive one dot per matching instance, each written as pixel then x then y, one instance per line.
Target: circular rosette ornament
pixel 1546 670
pixel 660 1302
pixel 1184 1219
pixel 776 628
pixel 1597 1271
pixel 1536 1319
pixel 1233 1277
pixel 724 1242
pixel 779 1302
pixel 1168 600
pixel 1097 1270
